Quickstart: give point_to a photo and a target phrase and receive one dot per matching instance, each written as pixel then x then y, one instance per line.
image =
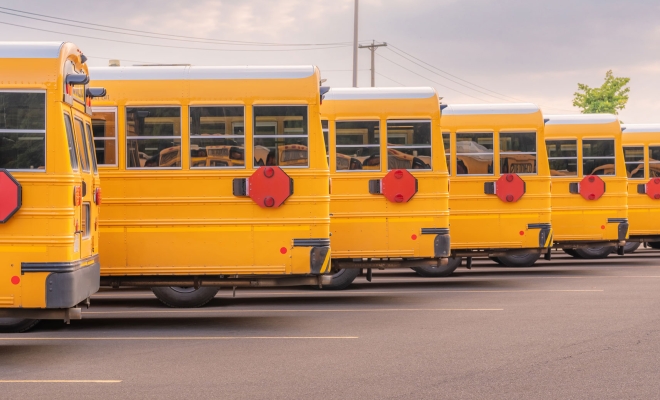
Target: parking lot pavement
pixel 564 329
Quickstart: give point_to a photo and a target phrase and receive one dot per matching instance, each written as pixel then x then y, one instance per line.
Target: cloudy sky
pixel 471 51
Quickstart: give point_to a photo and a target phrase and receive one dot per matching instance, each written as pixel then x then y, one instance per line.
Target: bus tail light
pixel 509 188
pixel 97 196
pixel 77 195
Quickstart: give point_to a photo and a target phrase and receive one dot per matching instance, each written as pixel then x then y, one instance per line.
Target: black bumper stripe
pixel 539 226
pixel 435 231
pixel 59 267
pixel 311 242
pixel 617 220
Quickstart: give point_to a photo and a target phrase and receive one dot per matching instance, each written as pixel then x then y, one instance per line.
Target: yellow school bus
pixel 186 227
pixel 641 151
pixel 500 183
pixel 589 184
pixel 390 213
pixel 49 185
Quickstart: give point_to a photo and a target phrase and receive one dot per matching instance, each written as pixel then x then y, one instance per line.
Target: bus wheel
pixel 519 260
pixel 592 253
pixel 439 272
pixel 185 297
pixel 497 260
pixel 630 247
pixel 341 278
pixel 654 245
pixel 16 325
pixel 571 252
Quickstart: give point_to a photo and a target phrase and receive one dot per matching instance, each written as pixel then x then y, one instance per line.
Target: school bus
pixel 389 198
pixel 589 184
pixel 49 185
pixel 216 203
pixel 641 152
pixel 499 183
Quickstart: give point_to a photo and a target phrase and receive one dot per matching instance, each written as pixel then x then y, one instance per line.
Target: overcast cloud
pixel 527 50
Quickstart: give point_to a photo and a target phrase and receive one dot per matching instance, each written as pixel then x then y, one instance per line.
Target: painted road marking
pixel 182 338
pixel 206 311
pixel 58 381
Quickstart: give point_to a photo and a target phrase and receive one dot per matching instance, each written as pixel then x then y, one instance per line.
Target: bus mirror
pixel 324 90
pixel 96 92
pixel 83 58
pixel 77 79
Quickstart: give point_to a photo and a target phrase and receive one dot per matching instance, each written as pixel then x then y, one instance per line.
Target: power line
pixel 219 41
pixel 166 46
pixel 388 78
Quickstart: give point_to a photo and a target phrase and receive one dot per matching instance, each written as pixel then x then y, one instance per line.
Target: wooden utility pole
pixel 373 46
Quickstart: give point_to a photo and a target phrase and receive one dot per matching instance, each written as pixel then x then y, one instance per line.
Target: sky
pixel 471 51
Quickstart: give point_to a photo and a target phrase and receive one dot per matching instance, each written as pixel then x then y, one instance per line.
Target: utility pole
pixel 355 45
pixel 373 46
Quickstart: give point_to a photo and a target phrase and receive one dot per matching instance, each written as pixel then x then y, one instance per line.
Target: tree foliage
pixel 611 97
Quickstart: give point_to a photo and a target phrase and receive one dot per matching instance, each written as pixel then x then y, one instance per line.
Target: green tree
pixel 611 97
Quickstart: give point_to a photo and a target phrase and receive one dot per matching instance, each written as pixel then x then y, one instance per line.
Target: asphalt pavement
pixel 563 329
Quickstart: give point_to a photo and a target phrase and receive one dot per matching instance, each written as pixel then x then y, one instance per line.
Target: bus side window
pixel 518 152
pixel 90 145
pixel 408 144
pixel 634 160
pixel 153 137
pixel 446 141
pixel 562 156
pixel 217 137
pixel 104 128
pixel 324 128
pixel 598 157
pixel 474 153
pixel 81 144
pixel 357 145
pixel 73 152
pixel 654 161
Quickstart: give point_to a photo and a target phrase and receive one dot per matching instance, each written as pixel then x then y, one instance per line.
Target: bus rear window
pixel 518 152
pixel 409 144
pixel 280 136
pixel 634 159
pixel 23 130
pixel 562 155
pixel 598 157
pixel 474 153
pixel 357 145
pixel 654 161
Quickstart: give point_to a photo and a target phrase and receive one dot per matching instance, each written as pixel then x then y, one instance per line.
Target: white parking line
pixel 207 311
pixel 183 338
pixel 57 381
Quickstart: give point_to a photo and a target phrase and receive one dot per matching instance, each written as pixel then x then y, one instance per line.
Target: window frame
pixel 613 156
pixel 577 157
pixel 420 146
pixel 233 125
pixel 496 160
pixel 254 136
pixel 71 141
pixel 115 138
pixel 82 146
pixel 625 163
pixel 647 170
pixel 447 150
pixel 535 153
pixel 90 143
pixel 379 145
pixel 138 138
pixel 44 92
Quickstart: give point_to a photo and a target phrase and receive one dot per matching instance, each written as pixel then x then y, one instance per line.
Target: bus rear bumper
pixel 441 243
pixel 319 254
pixel 69 283
pixel 65 314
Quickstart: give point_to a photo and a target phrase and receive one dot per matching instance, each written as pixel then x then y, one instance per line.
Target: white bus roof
pixel 579 119
pixel 30 49
pixel 640 128
pixel 490 109
pixel 380 93
pixel 185 72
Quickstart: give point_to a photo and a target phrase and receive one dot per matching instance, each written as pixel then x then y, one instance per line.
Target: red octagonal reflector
pixel 269 187
pixel 653 188
pixel 10 196
pixel 592 187
pixel 510 188
pixel 399 186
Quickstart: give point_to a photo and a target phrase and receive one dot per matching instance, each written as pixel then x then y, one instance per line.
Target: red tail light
pixel 77 195
pixel 97 196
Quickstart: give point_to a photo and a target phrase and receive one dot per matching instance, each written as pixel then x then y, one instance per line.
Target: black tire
pixel 519 260
pixel 341 278
pixel 180 297
pixel 630 247
pixel 16 325
pixel 439 272
pixel 571 252
pixel 497 260
pixel 594 253
pixel 654 245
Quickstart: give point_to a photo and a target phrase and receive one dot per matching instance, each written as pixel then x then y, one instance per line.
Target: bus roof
pixel 381 93
pixel 490 109
pixel 640 128
pixel 30 49
pixel 580 119
pixel 184 72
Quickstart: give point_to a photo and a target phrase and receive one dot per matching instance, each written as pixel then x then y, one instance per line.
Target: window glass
pixel 84 222
pixel 474 153
pixel 73 152
pixel 217 137
pixel 324 128
pixel 357 145
pixel 81 144
pixel 153 137
pixel 598 157
pixel 105 137
pixel 90 144
pixel 518 152
pixel 446 141
pixel 280 136
pixel 562 155
pixel 408 144
pixel 634 159
pixel 22 130
pixel 654 161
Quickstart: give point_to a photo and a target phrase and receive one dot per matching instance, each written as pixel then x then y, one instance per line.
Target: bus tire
pixel 16 325
pixel 594 253
pixel 341 278
pixel 497 260
pixel 571 252
pixel 654 245
pixel 519 260
pixel 185 297
pixel 439 272
pixel 630 247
